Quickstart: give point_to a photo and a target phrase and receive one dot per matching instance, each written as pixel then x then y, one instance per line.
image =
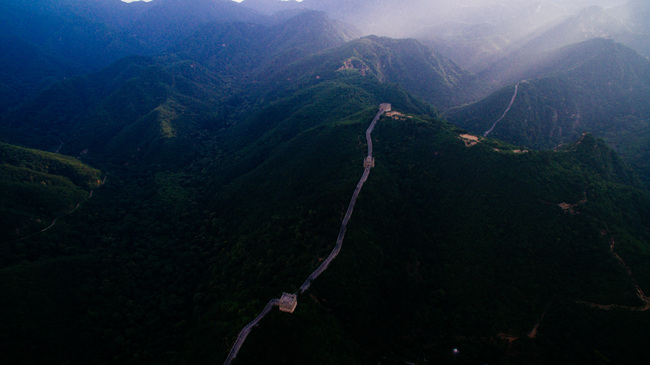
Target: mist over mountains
pixel 597 85
pixel 167 167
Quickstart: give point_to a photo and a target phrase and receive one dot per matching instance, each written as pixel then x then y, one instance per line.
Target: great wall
pixel 288 302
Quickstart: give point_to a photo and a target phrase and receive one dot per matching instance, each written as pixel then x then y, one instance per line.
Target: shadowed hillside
pixel 38 187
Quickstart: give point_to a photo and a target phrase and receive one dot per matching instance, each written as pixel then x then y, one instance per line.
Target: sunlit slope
pixel 405 62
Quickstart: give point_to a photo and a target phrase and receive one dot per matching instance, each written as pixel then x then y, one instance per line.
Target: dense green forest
pixel 229 163
pixel 36 187
pixel 450 246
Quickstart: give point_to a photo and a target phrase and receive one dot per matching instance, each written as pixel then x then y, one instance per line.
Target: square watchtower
pixel 369 162
pixel 288 302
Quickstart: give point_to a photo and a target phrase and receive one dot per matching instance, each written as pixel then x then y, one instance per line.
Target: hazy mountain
pixel 169 21
pixel 405 62
pixel 399 19
pixel 97 32
pixel 135 105
pixel 276 6
pixel 114 13
pixel 636 15
pixel 597 86
pixel 473 44
pixel 592 22
pixel 503 53
pixel 85 42
pixel 256 51
pixel 533 27
pixel 70 37
pixel 25 70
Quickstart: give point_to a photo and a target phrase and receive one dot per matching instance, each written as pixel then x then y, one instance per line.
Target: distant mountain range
pixel 596 22
pixel 143 98
pixel 71 37
pixel 538 27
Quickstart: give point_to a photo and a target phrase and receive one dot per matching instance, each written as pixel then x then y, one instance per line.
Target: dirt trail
pixel 533 332
pixel 90 195
pixel 639 292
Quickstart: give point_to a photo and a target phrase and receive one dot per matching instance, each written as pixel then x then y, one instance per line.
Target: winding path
pixel 90 195
pixel 323 266
pixel 645 300
pixel 514 96
pixel 59 148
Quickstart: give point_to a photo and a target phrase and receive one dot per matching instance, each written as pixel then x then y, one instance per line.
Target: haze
pixel 399 19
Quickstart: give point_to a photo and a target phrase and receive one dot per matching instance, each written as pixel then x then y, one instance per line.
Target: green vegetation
pixel 228 188
pixel 449 246
pixel 36 187
pixel 451 242
pixel 597 86
pixel 406 62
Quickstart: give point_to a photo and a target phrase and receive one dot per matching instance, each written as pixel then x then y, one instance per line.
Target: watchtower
pixel 288 302
pixel 369 162
pixel 385 107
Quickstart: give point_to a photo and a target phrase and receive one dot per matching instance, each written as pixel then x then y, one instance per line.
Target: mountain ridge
pixel 597 86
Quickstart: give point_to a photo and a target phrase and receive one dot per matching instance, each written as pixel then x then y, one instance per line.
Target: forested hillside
pixel 153 109
pixel 44 41
pixel 404 62
pixel 38 187
pixel 597 86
